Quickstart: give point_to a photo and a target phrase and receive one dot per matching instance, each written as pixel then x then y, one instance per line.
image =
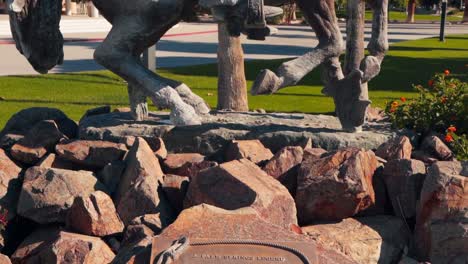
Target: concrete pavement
pixel 188 44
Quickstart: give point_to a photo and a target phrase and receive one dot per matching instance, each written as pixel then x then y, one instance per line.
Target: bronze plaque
pixel 204 251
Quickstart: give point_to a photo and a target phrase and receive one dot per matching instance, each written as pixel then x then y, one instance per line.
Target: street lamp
pixel 443 18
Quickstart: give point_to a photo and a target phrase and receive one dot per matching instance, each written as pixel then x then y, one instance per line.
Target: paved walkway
pixel 188 44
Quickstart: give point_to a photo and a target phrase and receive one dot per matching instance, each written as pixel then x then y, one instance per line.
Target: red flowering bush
pixel 442 107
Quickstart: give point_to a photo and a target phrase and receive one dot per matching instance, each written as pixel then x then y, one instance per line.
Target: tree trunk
pixel 232 85
pixel 411 9
pixel 465 14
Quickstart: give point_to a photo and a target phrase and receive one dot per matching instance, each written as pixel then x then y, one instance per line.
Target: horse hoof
pixel 190 98
pixel 266 83
pixel 185 115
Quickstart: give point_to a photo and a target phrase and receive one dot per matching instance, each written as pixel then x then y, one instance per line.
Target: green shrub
pixel 440 107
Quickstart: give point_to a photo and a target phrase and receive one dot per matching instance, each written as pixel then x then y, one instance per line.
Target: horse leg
pixel 138 103
pixel 321 16
pixel 129 36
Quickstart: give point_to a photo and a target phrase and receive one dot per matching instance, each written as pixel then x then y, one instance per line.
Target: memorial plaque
pixel 204 251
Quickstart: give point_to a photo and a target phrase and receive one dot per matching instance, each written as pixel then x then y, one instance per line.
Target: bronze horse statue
pixel 139 24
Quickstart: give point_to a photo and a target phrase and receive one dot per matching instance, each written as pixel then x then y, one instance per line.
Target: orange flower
pixel 395 104
pixel 430 83
pixel 447 72
pixel 452 129
pixel 443 100
pixel 448 138
pixel 403 99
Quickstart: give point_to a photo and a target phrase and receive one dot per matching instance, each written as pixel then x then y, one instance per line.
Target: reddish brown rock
pixel 433 146
pixel 441 223
pixel 284 166
pixel 158 146
pixel 10 184
pixel 8 140
pixel 96 154
pixel 336 186
pixel 367 240
pixel 47 194
pixel 424 157
pixel 205 221
pixel 314 153
pixel 54 246
pixel 138 191
pixel 27 155
pixel 4 259
pixel 155 143
pixel 52 161
pixel 94 215
pixel 41 139
pixel 241 183
pixel 185 164
pixel 383 205
pixel 175 188
pixel 396 148
pixel 404 179
pixel 252 150
pixel 375 114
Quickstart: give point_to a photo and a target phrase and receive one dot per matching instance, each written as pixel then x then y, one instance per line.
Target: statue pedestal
pixel 275 130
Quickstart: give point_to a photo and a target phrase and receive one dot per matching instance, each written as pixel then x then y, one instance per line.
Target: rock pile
pixel 87 201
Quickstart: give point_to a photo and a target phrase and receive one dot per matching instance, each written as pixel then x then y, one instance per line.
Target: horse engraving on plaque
pixel 183 251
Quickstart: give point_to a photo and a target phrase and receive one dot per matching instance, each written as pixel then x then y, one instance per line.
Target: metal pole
pixel 443 18
pixel 149 58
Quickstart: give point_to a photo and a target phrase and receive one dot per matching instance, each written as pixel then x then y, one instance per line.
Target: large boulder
pixel 336 186
pixel 442 218
pixel 186 164
pixel 241 183
pixel 22 122
pixel 27 155
pixel 252 150
pixel 93 154
pixel 139 189
pixel 367 240
pixel 396 148
pixel 54 246
pixel 433 146
pixel 94 215
pixel 10 184
pixel 52 161
pixel 41 139
pixel 274 130
pixel 284 167
pixel 48 193
pixel 404 179
pixel 208 222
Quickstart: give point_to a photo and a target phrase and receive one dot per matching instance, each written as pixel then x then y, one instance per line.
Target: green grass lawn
pixel 408 63
pixel 401 16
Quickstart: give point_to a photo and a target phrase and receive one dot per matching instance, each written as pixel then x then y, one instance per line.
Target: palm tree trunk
pixel 411 9
pixel 232 85
pixel 465 14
